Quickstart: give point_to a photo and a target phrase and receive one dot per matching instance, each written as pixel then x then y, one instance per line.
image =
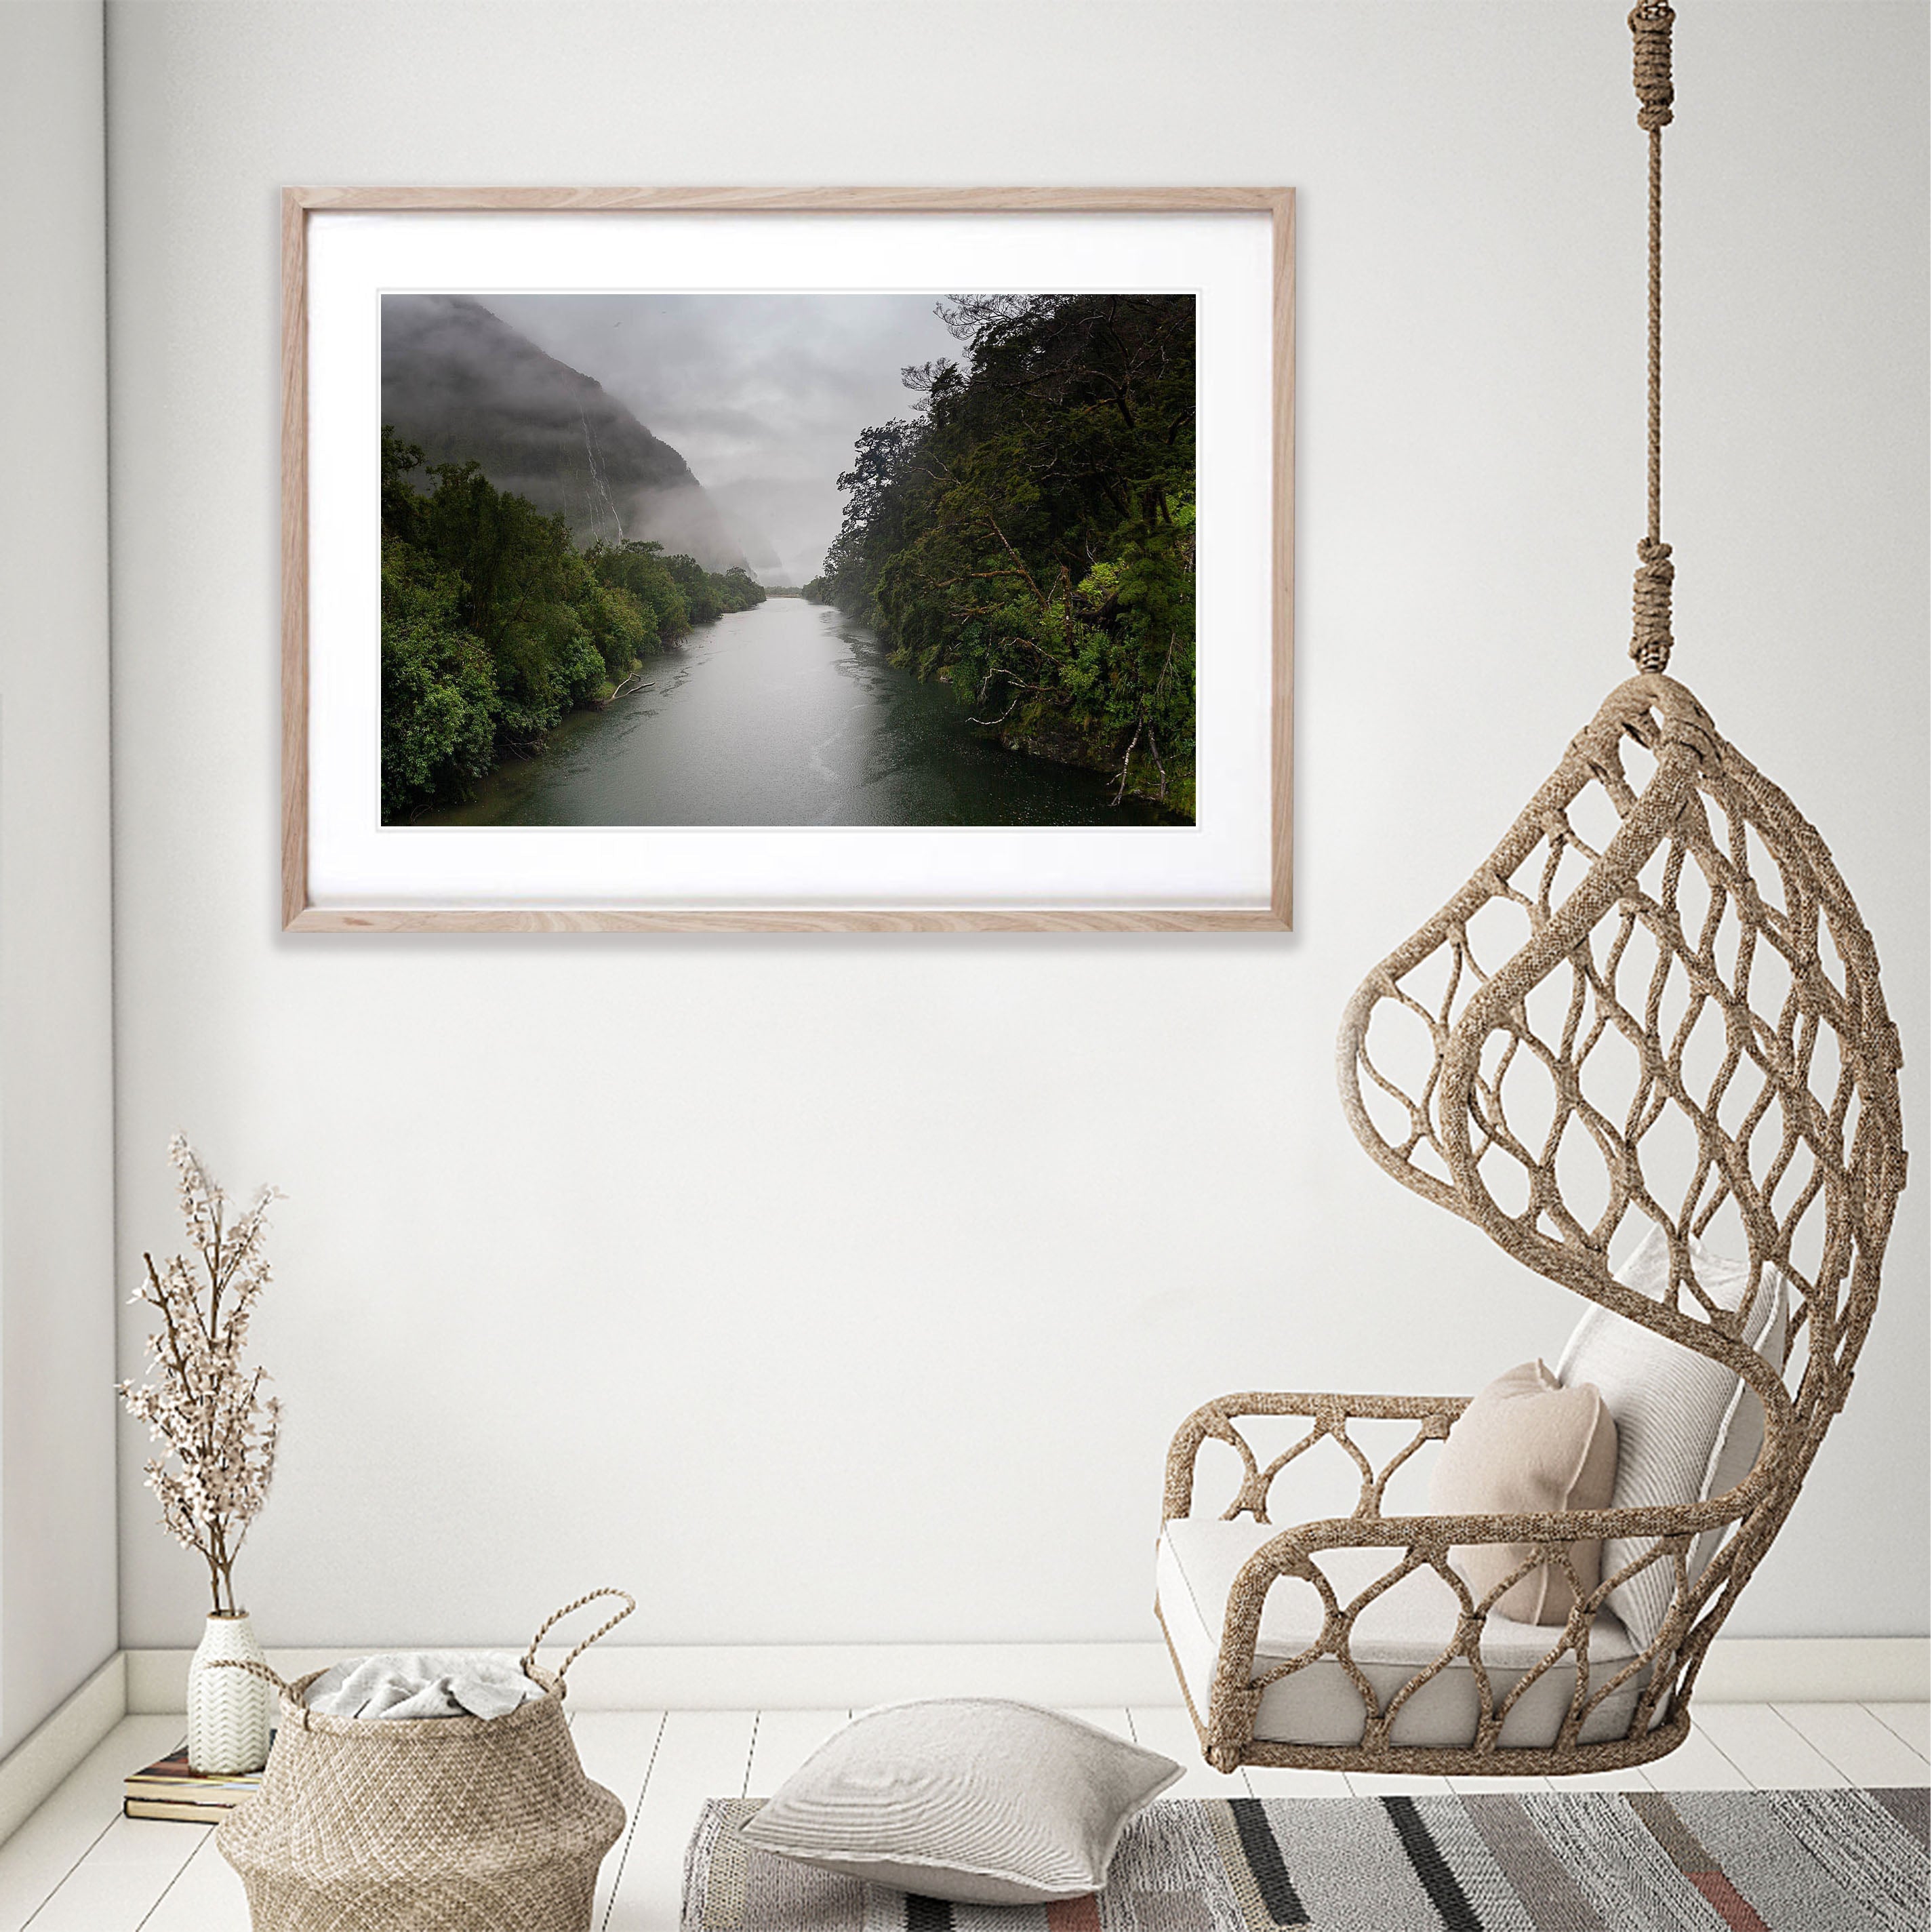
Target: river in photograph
pixel 787 714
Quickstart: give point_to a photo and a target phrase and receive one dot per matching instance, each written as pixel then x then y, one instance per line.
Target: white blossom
pixel 219 1430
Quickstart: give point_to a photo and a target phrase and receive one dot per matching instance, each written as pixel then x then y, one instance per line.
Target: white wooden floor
pixel 78 1866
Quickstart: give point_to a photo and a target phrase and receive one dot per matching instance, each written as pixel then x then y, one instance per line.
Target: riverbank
pixel 1027 529
pixel 496 627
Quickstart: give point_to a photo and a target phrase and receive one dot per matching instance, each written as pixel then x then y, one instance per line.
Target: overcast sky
pixel 762 395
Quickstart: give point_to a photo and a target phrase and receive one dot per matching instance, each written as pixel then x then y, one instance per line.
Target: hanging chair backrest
pixel 1655 1004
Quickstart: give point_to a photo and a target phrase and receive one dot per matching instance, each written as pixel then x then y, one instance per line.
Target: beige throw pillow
pixel 1527 1445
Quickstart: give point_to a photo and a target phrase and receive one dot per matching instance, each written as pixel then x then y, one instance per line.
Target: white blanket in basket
pixel 421 1684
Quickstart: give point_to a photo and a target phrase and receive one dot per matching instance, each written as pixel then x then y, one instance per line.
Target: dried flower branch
pixel 219 1430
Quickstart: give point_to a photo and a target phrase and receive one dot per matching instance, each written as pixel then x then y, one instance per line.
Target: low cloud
pixel 763 395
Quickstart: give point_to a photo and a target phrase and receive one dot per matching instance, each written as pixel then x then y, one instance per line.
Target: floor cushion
pixel 977 1800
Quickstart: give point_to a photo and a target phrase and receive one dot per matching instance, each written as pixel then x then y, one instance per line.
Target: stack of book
pixel 171 1789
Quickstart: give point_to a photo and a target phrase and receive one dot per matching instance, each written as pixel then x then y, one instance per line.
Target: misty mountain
pixel 467 388
pixel 751 538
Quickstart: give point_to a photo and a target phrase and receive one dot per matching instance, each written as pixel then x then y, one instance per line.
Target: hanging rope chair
pixel 1655 1009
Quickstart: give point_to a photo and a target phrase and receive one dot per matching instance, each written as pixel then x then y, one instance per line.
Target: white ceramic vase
pixel 229 1712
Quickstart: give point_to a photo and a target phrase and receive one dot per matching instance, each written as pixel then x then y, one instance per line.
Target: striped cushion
pixel 1688 1429
pixel 970 1799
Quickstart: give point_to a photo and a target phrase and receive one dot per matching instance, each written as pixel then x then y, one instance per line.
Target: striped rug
pixel 1565 1861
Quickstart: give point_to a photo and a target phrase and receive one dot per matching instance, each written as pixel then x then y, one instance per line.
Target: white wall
pixel 57 1504
pixel 850 1288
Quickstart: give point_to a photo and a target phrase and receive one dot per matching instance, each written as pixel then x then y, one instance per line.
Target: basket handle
pixel 630 1603
pixel 254 1669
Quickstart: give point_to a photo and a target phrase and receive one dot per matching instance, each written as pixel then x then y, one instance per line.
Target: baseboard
pixel 31 1772
pixel 771 1677
pixel 768 1677
pixel 1817 1670
pixel 1739 1670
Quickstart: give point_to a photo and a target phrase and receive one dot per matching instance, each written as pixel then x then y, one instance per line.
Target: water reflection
pixel 789 714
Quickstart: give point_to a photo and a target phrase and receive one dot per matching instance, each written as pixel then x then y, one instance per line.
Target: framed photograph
pixel 787 560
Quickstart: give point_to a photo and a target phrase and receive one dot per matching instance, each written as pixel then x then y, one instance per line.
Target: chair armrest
pixel 1416 1541
pixel 1330 1416
pixel 1684 1520
pixel 1428 1540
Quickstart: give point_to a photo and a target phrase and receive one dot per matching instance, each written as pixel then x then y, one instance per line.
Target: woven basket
pixel 438 1824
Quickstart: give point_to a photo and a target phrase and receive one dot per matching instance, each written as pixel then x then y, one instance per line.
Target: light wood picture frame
pixel 337 873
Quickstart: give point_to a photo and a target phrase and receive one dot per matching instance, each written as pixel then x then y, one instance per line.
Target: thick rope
pixel 255 1668
pixel 630 1603
pixel 1650 605
pixel 1650 640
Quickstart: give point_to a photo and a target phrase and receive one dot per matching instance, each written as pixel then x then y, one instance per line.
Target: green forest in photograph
pixel 998 629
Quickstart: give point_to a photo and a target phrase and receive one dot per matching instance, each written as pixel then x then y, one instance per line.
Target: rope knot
pixel 1650 640
pixel 1650 24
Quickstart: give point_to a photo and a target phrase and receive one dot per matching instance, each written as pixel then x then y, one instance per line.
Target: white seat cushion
pixel 1405 1629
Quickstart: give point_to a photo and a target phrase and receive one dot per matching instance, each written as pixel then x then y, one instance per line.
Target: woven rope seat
pixel 1655 1006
